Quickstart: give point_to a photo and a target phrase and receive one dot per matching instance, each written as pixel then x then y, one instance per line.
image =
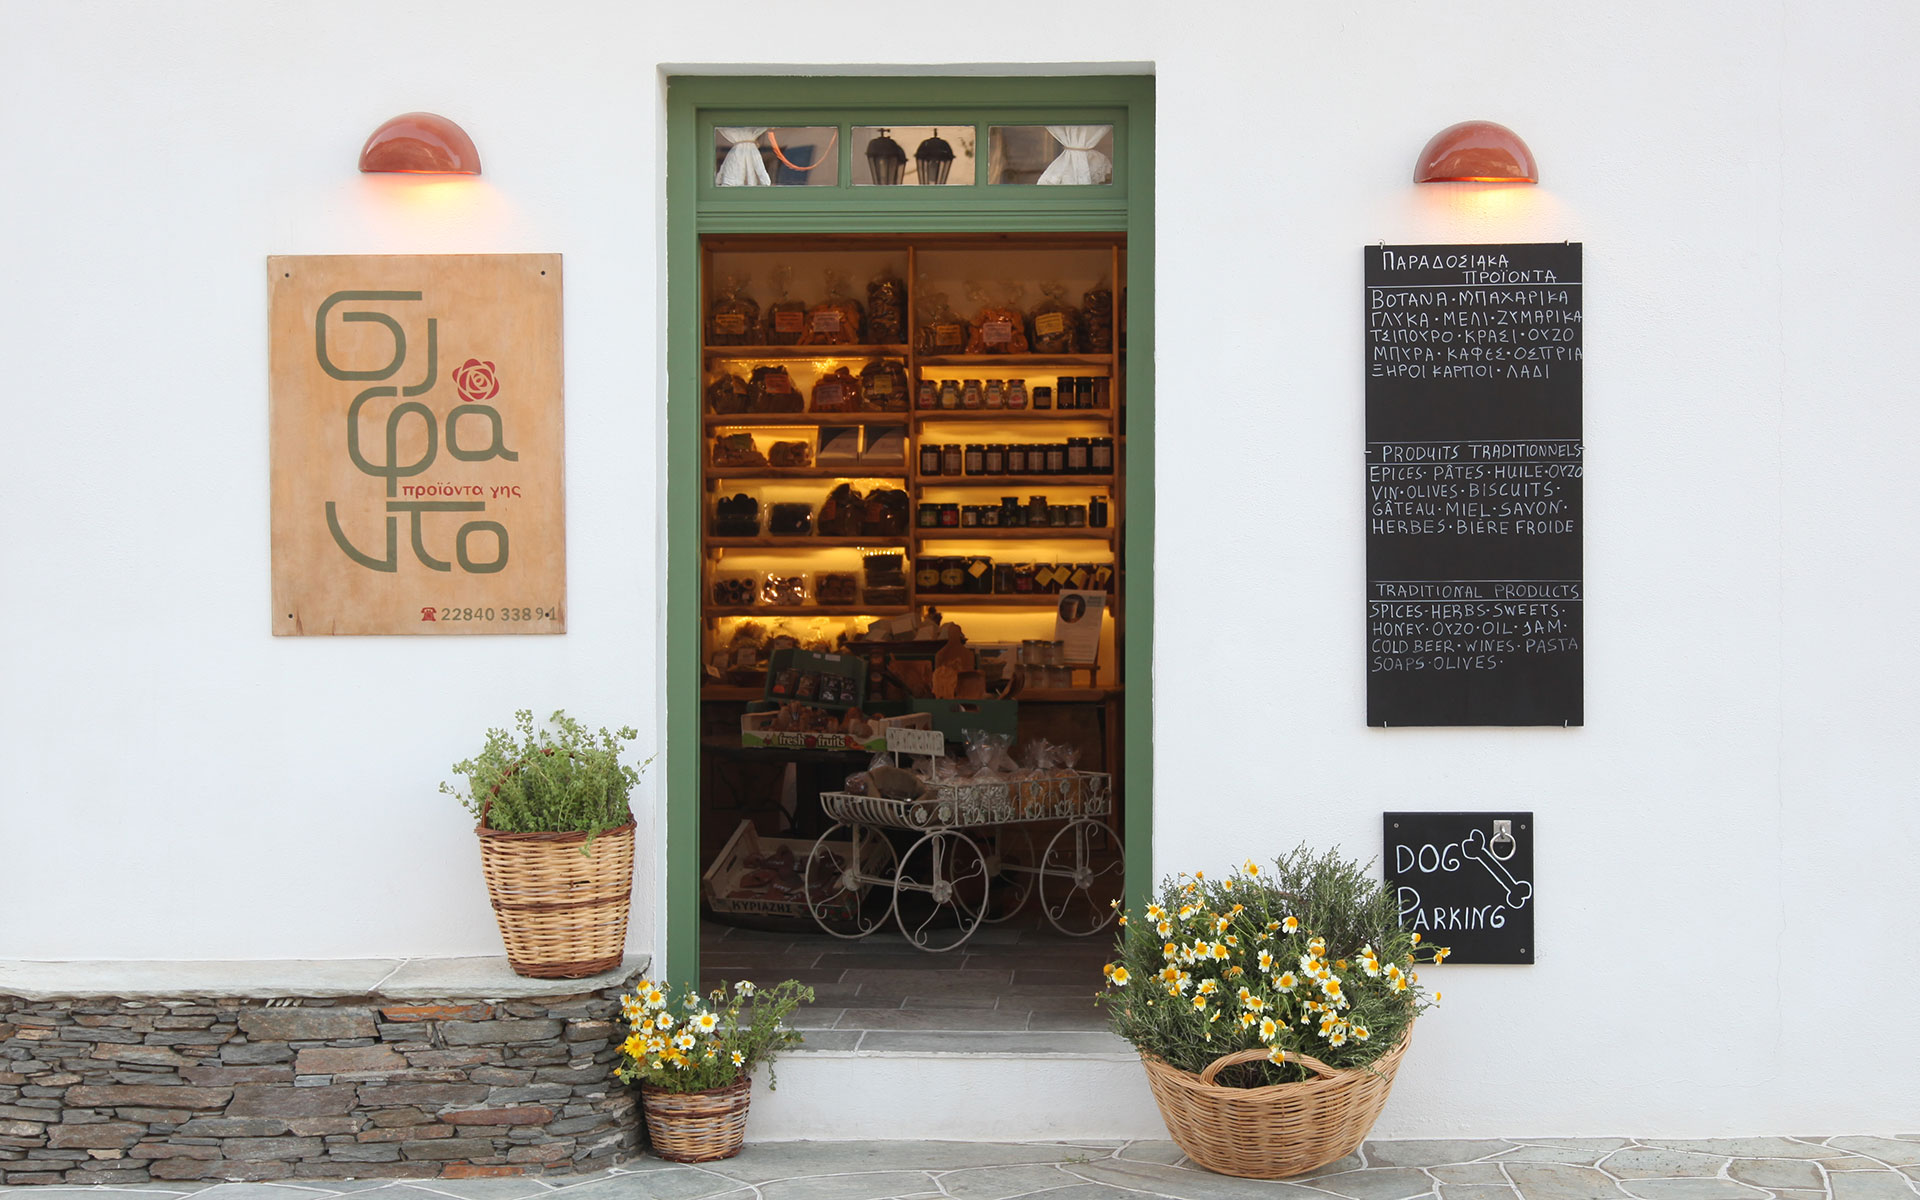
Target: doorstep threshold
pixel 1094 1045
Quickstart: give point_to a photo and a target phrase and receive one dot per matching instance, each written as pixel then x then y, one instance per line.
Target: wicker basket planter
pixel 697 1126
pixel 562 914
pixel 1277 1131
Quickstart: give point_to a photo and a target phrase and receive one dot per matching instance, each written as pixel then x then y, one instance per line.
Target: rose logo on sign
pixel 477 382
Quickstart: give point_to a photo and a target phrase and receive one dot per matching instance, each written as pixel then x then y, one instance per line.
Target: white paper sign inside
pixel 916 741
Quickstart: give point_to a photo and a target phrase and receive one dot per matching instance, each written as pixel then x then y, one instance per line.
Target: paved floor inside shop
pixel 1834 1168
pixel 1021 985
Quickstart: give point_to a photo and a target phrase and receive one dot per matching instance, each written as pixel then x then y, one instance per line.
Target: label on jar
pixel 929 395
pixel 1079 578
pixel 1076 458
pixel 952 577
pixel 978 568
pixel 1102 458
pixel 927 578
pixel 1051 324
pixel 996 333
pixel 789 320
pixel 949 335
pixel 827 320
pixel 732 322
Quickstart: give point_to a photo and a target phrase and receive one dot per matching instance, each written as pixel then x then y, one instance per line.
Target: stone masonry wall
pixel 126 1091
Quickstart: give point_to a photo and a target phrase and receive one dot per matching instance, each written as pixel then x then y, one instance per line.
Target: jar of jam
pixel 1076 516
pixel 977 575
pixel 1064 392
pixel 949 516
pixel 1056 460
pixel 929 459
pixel 990 516
pixel 1015 460
pixel 1043 397
pixel 950 393
pixel 969 516
pixel 1003 579
pixel 976 460
pixel 996 393
pixel 1057 515
pixel 952 459
pixel 953 575
pixel 971 394
pixel 1016 393
pixel 928 515
pixel 1077 456
pixel 928 396
pixel 1097 512
pixel 1036 511
pixel 926 574
pixel 1102 391
pixel 1011 514
pixel 1100 455
pixel 995 460
pixel 1023 578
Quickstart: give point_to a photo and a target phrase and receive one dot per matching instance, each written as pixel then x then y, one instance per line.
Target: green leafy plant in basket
pixel 1306 955
pixel 702 1042
pixel 561 779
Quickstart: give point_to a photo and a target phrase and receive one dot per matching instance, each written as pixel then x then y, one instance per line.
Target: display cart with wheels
pixel 973 861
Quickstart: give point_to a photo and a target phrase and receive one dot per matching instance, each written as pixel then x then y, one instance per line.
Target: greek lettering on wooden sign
pixel 416 442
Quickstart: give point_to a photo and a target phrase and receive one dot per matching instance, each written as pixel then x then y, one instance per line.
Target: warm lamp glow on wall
pixel 1476 152
pixel 420 143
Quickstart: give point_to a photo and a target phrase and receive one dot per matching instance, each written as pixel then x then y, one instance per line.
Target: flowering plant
pixel 1306 955
pixel 705 1041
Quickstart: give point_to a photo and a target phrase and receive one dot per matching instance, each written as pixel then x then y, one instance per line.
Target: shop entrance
pixel 910 512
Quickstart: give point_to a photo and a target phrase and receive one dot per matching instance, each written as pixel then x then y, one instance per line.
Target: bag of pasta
pixel 727 395
pixel 835 321
pixel 771 390
pixel 734 317
pixel 836 392
pixel 786 316
pixel 998 328
pixel 1096 319
pixel 883 386
pixel 887 309
pixel 1052 321
pixel 945 331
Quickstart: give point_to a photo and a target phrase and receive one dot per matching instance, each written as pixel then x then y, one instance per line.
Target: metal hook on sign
pixel 1502 833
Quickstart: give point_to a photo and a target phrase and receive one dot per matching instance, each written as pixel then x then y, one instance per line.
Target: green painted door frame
pixel 695 207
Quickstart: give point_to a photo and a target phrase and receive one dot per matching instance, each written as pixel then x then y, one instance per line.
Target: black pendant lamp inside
pixel 934 157
pixel 886 159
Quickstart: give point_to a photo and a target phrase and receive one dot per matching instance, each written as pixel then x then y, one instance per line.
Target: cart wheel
pixel 845 901
pixel 1011 866
pixel 940 890
pixel 1080 880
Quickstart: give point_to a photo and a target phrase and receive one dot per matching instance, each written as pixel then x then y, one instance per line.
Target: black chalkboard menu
pixel 1463 880
pixel 1474 465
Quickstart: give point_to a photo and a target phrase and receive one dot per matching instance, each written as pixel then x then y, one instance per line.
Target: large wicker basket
pixel 1276 1131
pixel 697 1126
pixel 562 914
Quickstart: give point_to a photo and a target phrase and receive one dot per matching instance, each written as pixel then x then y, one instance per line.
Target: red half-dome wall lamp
pixel 1476 152
pixel 420 143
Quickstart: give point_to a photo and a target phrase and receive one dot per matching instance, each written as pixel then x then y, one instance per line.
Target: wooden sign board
pixel 416 441
pixel 1474 476
pixel 1464 880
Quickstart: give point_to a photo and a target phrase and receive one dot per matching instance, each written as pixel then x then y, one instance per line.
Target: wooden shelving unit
pixel 1044 425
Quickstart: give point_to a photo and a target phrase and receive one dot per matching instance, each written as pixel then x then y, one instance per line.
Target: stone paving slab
pixel 1762 1168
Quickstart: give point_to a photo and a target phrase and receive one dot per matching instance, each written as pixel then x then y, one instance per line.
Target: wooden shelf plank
pixel 1103 415
pixel 852 471
pixel 951 600
pixel 774 542
pixel 778 611
pixel 1015 533
pixel 783 353
pixel 745 420
pixel 927 481
pixel 984 361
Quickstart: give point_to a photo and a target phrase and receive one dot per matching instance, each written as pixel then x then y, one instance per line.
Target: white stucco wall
pixel 1726 850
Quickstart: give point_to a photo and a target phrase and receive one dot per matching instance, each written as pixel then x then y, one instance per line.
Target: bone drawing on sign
pixel 1475 846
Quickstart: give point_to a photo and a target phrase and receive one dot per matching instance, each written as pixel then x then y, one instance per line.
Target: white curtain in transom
pixel 742 166
pixel 1080 160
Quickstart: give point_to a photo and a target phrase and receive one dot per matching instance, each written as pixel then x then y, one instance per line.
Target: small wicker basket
pixel 697 1126
pixel 562 914
pixel 1276 1131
